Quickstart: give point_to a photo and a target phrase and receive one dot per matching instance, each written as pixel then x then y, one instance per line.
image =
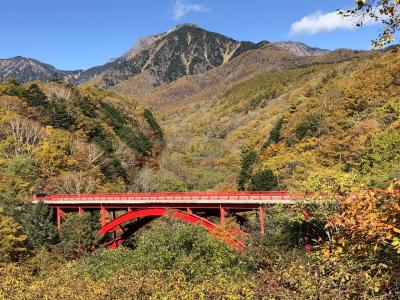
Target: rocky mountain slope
pixel 304 110
pixel 185 50
pixel 209 84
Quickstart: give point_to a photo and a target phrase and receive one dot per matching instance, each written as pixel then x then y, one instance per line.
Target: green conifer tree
pixel 39 225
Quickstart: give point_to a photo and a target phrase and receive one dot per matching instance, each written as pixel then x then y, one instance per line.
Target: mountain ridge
pixel 186 49
pixel 29 69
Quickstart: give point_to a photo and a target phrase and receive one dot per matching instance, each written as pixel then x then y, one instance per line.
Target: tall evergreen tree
pixel 249 157
pixel 34 96
pixel 275 134
pixel 38 225
pixel 79 233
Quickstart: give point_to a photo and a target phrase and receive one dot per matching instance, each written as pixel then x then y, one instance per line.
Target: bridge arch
pixel 230 237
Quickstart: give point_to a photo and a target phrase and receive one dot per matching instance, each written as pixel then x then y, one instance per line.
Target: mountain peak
pixel 146 42
pixel 18 58
pixel 184 50
pixel 142 44
pixel 184 25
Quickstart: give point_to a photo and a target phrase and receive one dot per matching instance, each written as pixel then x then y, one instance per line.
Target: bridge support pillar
pixel 103 216
pixel 60 215
pixel 307 245
pixel 80 210
pixel 261 214
pixel 222 213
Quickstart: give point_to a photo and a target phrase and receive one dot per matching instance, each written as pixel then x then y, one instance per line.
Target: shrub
pixel 168 246
pixel 381 159
pixel 171 183
pixel 171 245
pixel 12 87
pixel 20 177
pixel 23 168
pixel 104 262
pixel 12 238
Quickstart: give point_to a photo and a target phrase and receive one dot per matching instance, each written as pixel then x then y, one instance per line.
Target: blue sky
pixel 74 34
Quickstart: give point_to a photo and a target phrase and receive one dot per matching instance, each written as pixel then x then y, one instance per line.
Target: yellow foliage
pixel 12 240
pixel 53 154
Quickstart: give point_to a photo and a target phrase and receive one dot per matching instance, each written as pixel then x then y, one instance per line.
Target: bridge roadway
pixel 184 199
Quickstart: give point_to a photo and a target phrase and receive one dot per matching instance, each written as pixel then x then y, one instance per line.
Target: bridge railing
pixel 273 195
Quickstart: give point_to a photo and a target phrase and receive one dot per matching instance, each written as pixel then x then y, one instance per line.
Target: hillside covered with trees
pixel 57 138
pixel 320 127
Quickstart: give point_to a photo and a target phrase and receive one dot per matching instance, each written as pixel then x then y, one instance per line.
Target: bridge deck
pixel 165 199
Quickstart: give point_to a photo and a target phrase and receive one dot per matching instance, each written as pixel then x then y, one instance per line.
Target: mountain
pixel 155 60
pixel 28 69
pixel 163 58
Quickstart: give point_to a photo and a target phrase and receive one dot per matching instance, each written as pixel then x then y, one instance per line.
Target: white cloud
pixel 320 22
pixel 182 8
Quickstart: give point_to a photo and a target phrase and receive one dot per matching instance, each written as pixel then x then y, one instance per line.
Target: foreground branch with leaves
pixel 386 12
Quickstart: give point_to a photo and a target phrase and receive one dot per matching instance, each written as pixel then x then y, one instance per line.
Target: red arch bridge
pixel 122 214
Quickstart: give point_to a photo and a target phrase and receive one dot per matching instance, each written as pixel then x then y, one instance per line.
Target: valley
pixel 209 132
